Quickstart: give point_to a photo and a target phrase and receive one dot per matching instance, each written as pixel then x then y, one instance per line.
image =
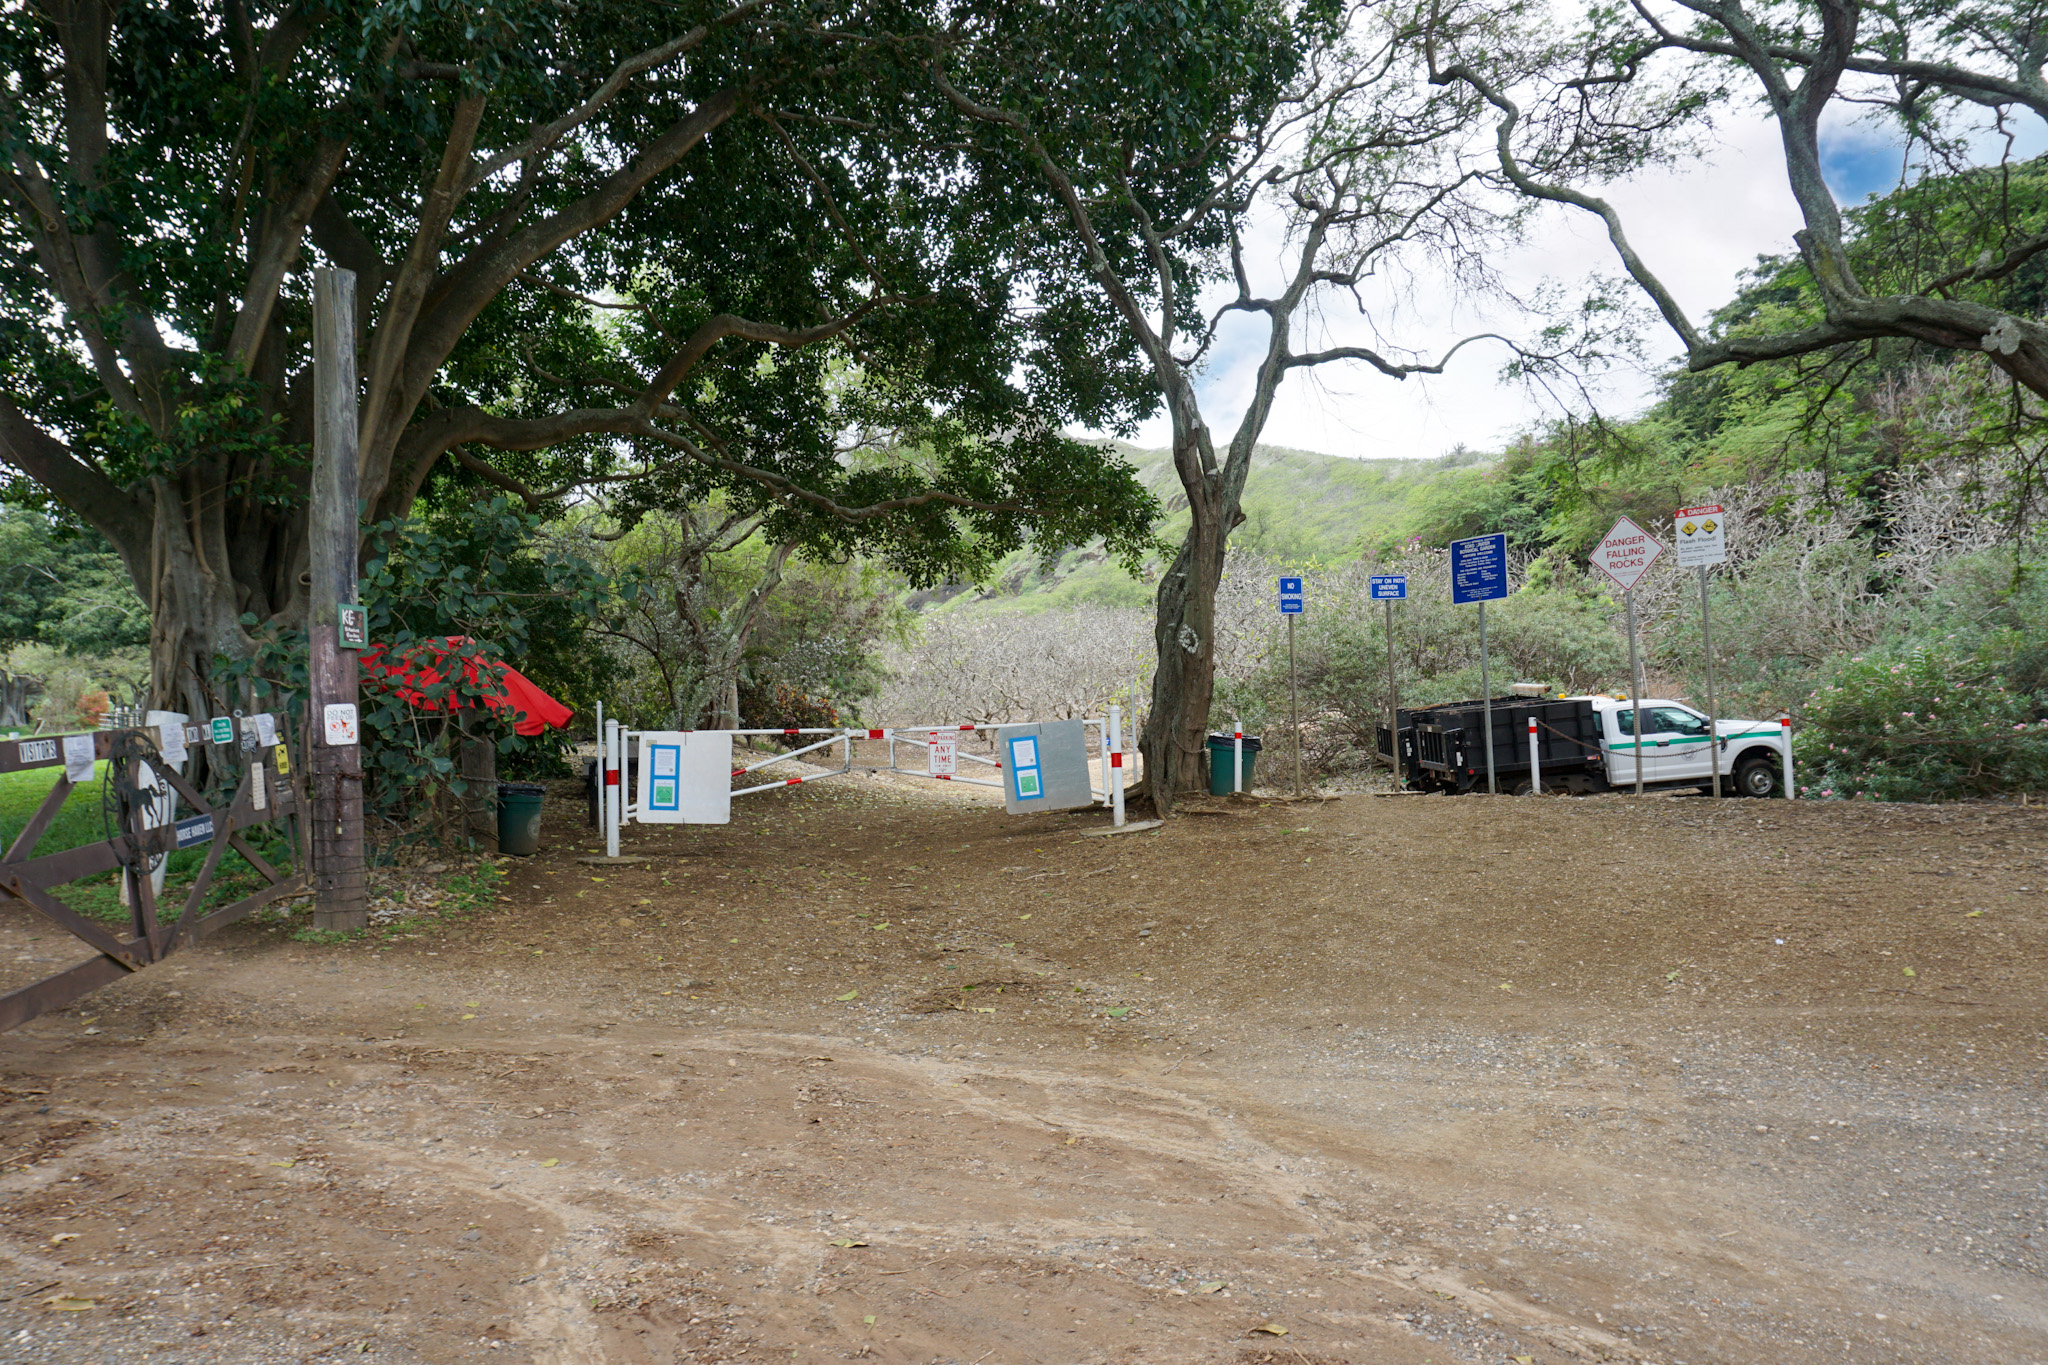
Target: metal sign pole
pixel 1635 685
pixel 1713 714
pixel 1393 701
pixel 1294 705
pixel 1535 762
pixel 1486 696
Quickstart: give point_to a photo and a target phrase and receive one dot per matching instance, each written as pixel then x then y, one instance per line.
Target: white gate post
pixel 1785 733
pixel 1237 751
pixel 1113 763
pixel 613 790
pixel 1535 762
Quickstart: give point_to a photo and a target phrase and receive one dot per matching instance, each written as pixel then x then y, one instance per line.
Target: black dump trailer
pixel 1443 747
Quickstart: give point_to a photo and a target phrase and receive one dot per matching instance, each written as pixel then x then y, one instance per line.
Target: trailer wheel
pixel 1756 777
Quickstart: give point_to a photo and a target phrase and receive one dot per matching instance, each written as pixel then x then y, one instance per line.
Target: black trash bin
pixel 519 818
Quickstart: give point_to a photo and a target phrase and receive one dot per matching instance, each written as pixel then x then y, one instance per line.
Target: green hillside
pixel 1300 507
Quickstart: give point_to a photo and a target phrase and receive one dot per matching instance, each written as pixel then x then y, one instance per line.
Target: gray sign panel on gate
pixel 1045 766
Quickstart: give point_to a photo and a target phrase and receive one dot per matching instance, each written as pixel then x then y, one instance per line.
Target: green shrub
pixel 1922 724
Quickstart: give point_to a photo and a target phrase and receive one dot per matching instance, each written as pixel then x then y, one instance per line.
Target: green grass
pixel 80 822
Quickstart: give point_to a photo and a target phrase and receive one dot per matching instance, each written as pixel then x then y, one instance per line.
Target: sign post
pixel 1291 605
pixel 1625 554
pixel 1535 762
pixel 340 898
pixel 1479 573
pixel 1390 588
pixel 1701 534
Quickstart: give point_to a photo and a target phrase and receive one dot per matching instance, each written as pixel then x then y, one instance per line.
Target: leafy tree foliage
pixel 61 586
pixel 663 251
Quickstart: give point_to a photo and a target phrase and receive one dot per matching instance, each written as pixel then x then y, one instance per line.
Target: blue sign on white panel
pixel 1027 779
pixel 1389 585
pixel 1479 568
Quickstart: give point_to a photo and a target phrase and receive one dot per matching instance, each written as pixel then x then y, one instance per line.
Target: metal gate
pixel 264 794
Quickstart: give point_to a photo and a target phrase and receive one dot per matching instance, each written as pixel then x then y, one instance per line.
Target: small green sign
pixel 223 729
pixel 354 624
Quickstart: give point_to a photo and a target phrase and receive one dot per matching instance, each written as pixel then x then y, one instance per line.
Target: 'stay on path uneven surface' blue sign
pixel 1479 568
pixel 1389 585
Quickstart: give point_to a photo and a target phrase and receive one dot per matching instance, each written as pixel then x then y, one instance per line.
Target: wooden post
pixel 479 768
pixel 340 898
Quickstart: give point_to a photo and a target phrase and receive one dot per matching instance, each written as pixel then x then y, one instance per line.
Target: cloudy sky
pixel 1698 226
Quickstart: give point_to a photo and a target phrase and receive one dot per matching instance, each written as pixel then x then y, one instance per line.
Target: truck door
pixel 1621 747
pixel 1675 741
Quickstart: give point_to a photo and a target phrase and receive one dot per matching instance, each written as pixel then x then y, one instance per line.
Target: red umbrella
pixel 504 687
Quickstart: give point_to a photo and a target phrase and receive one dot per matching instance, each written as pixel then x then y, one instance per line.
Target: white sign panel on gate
pixel 942 755
pixel 340 725
pixel 1701 535
pixel 78 757
pixel 685 777
pixel 1626 553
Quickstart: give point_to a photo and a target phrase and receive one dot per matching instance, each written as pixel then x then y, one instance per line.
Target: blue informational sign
pixel 1291 601
pixel 196 830
pixel 1389 585
pixel 665 790
pixel 1027 780
pixel 1479 568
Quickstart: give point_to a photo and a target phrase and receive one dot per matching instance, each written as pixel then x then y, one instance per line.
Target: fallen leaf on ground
pixel 286 1164
pixel 1910 972
pixel 66 1303
pixel 850 995
pixel 1271 1329
pixel 1118 1012
pixel 984 1009
pixel 552 1161
pixel 846 1242
pixel 1210 1286
pixel 869 1319
pixel 61 1238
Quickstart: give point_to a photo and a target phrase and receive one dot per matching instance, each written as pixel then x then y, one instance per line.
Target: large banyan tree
pixel 661 252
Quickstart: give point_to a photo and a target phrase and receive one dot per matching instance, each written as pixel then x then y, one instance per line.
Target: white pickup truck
pixel 1675 747
pixel 1585 744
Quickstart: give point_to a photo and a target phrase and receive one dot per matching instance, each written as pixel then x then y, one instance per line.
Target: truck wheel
pixel 1756 777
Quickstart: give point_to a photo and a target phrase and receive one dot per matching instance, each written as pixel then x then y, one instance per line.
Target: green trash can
pixel 1222 755
pixel 519 818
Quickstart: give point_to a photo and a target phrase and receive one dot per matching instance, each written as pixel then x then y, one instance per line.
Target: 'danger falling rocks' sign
pixel 1626 553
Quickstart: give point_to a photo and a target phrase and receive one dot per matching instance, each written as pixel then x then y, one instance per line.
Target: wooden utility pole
pixel 340 898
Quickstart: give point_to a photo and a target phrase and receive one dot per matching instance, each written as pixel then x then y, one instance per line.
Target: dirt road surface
pixel 875 1073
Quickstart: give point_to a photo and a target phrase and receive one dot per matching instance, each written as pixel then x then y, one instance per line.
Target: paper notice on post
pixel 266 730
pixel 78 757
pixel 258 797
pixel 171 741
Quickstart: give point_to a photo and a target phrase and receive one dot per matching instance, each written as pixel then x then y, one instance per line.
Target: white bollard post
pixel 1113 763
pixel 1785 733
pixel 612 789
pixel 1535 762
pixel 1237 756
